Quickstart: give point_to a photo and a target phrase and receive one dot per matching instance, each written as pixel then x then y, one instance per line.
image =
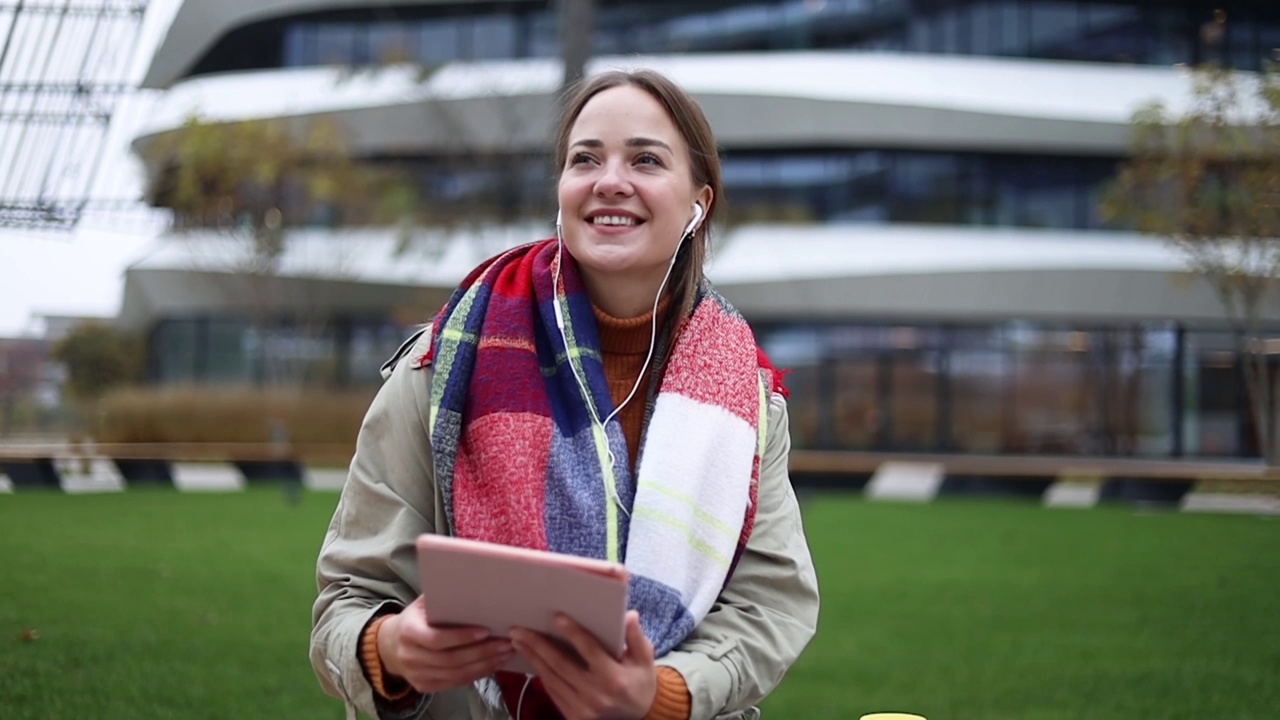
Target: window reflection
pixel 1214 395
pixel 1046 419
pixel 917 187
pixel 1089 30
pixel 804 405
pixel 369 347
pixel 977 391
pixel 857 415
pixel 226 359
pixel 335 45
pixel 236 351
pixel 1010 387
pixel 914 396
pixel 1018 387
pixel 173 352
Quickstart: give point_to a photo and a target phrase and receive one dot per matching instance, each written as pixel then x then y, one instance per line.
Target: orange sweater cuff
pixel 672 701
pixel 372 662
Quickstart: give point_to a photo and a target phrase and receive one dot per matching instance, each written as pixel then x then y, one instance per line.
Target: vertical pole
pixel 577 30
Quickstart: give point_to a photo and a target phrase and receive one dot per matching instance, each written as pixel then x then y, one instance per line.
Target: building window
pixel 917 187
pixel 173 352
pixel 1242 34
pixel 1016 387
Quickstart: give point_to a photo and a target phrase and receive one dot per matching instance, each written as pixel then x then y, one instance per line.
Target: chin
pixel 606 260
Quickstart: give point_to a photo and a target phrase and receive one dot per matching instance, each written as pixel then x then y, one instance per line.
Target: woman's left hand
pixel 599 685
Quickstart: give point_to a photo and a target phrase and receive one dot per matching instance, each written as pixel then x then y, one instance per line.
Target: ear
pixel 704 198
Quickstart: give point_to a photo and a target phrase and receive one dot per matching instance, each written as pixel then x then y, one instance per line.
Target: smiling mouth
pixel 614 221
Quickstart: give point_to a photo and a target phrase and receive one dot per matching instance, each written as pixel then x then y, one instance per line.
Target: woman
pixel 588 394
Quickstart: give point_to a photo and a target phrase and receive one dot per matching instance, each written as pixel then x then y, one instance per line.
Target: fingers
pixel 603 686
pixel 561 675
pixel 425 657
pixel 639 649
pixel 589 649
pixel 433 658
pixel 430 671
pixel 416 629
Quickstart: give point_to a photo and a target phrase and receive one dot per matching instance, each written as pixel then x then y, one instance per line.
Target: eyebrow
pixel 631 142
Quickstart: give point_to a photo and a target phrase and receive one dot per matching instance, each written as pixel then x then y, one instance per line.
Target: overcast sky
pixel 81 272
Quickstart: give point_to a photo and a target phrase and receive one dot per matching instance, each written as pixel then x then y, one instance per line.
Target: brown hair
pixel 704 161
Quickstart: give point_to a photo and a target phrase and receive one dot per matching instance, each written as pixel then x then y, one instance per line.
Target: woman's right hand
pixel 432 659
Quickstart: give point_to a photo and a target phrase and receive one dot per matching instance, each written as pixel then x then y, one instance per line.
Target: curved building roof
pixel 753 100
pixel 197 26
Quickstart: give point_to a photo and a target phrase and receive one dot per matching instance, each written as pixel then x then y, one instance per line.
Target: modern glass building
pixel 911 186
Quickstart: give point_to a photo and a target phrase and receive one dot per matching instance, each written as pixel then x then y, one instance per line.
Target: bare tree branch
pixel 1208 181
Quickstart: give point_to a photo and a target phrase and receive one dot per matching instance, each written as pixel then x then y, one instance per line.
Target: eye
pixel 579 158
pixel 648 159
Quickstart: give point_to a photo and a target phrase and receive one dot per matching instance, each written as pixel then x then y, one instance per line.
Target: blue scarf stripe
pixel 666 621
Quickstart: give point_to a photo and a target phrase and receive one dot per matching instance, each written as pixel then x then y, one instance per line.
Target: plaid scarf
pixel 520 460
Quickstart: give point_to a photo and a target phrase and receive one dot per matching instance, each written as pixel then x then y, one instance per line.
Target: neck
pixel 625 297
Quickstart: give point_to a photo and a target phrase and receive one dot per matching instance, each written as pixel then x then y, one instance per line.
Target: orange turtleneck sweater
pixel 623 347
pixel 624 343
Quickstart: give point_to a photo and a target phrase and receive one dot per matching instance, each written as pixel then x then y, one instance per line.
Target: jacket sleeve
pixel 768 612
pixel 367 563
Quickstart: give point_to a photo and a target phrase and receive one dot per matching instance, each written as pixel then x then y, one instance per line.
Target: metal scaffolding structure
pixel 64 67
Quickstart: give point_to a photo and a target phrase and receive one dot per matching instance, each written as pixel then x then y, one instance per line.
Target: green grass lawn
pixel 152 604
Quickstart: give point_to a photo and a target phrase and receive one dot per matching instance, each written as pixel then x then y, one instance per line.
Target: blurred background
pixel 1007 250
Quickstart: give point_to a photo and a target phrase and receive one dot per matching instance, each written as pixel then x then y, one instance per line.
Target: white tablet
pixel 467 582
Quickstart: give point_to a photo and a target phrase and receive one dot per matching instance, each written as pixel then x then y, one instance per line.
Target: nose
pixel 613 180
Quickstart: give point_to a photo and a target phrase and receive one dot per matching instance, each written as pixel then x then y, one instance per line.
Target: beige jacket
pixel 737 654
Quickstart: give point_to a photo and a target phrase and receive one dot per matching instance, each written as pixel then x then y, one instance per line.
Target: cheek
pixel 573 190
pixel 676 211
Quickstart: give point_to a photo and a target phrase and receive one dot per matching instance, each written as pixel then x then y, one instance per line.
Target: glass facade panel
pixel 1048 419
pixel 1114 33
pixel 439 41
pixel 1013 35
pixel 858 415
pixel 300 46
pixel 928 188
pixel 226 358
pixel 494 37
pixel 1155 373
pixel 233 351
pixel 977 401
pixel 335 44
pixel 804 407
pixel 173 352
pixel 369 347
pixel 1269 41
pixel 800 350
pixel 919 187
pixel 984 26
pixel 1020 387
pixel 1013 387
pixel 392 43
pixel 1169 36
pixel 1055 26
pixel 1088 30
pixel 1216 397
pixel 913 396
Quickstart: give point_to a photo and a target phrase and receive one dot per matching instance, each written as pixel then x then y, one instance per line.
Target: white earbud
pixel 555 281
pixel 698 212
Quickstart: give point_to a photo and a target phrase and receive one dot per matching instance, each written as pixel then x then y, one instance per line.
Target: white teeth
pixel 613 220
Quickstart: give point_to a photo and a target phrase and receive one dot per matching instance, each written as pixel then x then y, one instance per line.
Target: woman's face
pixel 626 191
